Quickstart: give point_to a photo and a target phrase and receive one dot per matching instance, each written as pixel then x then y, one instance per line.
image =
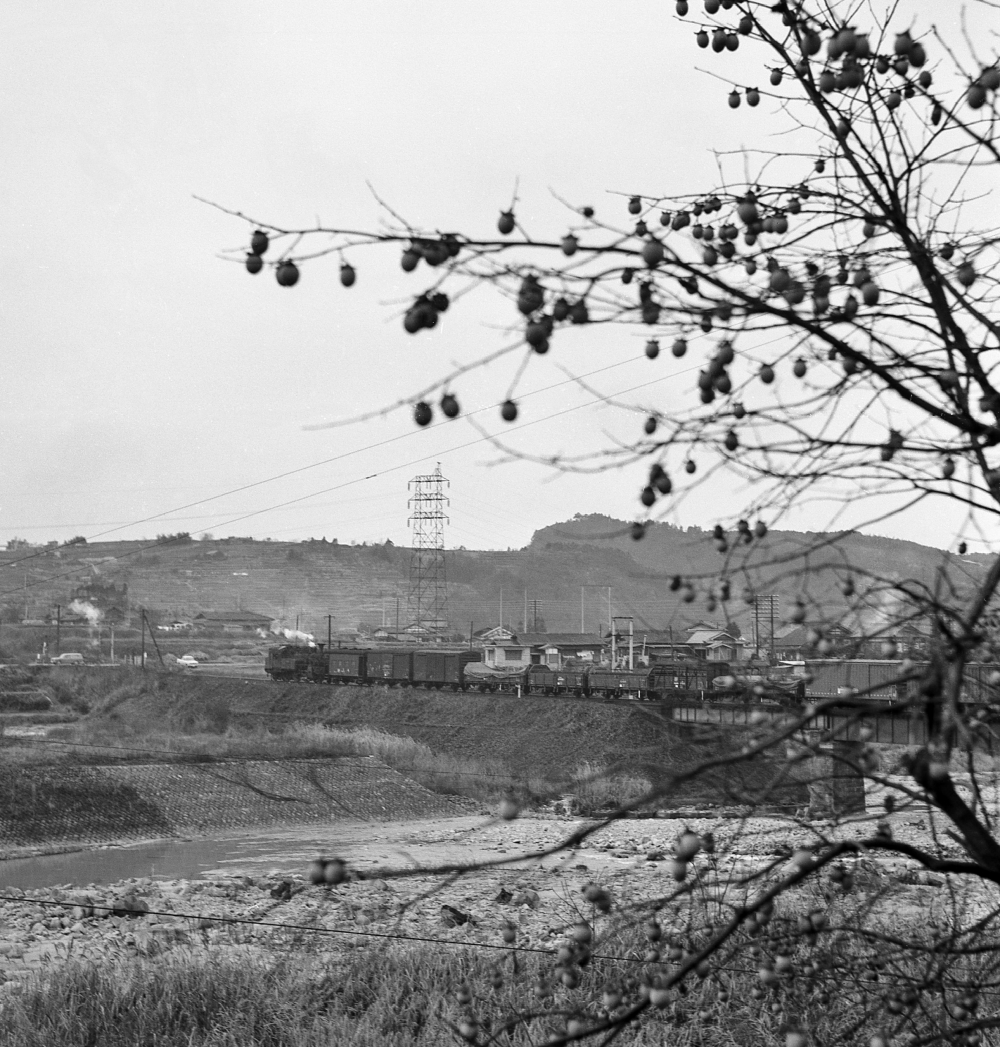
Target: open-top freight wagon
pixel 665 681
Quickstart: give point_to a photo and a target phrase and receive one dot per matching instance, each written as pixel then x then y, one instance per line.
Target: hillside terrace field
pixel 361 584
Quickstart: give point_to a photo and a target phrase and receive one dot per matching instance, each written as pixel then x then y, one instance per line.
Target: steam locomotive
pixel 465 671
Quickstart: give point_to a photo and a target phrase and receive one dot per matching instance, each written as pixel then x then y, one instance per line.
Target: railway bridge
pixel 887 726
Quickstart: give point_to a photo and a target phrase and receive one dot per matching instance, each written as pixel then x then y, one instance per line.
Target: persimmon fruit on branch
pixel 842 302
pixel 854 268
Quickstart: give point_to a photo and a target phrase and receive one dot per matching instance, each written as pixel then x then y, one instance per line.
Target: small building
pixel 717 645
pixel 232 621
pixel 556 649
pixel 551 649
pixel 660 645
pixel 493 634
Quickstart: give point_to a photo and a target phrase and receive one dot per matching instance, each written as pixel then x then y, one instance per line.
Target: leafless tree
pixel 845 298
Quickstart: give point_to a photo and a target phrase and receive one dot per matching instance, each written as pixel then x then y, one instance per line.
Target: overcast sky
pixel 146 376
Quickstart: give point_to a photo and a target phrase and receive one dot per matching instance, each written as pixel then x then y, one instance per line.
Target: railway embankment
pixel 536 738
pixel 120 773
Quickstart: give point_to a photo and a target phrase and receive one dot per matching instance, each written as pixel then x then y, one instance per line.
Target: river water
pixel 255 854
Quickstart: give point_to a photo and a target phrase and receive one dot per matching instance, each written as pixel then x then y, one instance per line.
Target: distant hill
pixel 360 584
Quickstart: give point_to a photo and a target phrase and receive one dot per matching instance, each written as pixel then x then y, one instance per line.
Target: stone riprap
pixel 67 804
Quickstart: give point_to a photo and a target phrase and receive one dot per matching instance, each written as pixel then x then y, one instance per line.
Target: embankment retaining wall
pixel 98 804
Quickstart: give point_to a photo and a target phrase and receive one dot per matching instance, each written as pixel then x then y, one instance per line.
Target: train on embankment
pixel 463 670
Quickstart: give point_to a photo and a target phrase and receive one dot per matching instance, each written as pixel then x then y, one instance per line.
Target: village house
pixel 232 621
pixel 515 651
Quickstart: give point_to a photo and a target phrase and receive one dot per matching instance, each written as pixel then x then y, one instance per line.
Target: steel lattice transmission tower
pixel 428 598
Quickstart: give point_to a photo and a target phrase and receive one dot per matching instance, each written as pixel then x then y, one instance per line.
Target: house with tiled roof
pixel 233 621
pixel 552 649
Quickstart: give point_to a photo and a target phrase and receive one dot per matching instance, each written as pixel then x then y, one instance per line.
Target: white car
pixel 188 662
pixel 70 658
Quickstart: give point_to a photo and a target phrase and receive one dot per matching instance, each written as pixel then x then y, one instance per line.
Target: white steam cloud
pixel 87 610
pixel 294 635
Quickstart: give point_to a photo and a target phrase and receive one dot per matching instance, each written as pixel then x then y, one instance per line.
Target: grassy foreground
pixel 396 998
pixel 411 996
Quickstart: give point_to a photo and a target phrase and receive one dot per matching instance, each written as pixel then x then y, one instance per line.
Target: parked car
pixel 188 662
pixel 69 658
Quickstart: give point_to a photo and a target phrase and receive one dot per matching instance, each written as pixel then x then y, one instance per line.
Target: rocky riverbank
pixel 392 891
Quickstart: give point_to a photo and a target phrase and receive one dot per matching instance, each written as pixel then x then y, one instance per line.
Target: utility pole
pixel 766 603
pixel 501 608
pixel 631 640
pixel 58 628
pixel 594 585
pixel 771 602
pixel 525 610
pixel 329 632
pixel 397 617
pixel 142 633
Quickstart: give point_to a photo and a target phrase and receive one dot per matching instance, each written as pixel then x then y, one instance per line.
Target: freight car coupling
pixel 463 670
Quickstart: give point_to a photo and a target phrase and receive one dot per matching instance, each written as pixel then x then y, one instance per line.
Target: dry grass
pixel 293 995
pixel 595 789
pixel 103 740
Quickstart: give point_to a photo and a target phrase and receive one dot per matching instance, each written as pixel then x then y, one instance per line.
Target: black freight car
pixel 394 668
pixel 877 680
pixel 691 680
pixel 544 679
pixel 620 683
pixel 346 665
pixel 874 680
pixel 442 668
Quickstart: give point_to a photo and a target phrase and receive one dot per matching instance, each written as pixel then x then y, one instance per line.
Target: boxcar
pixel 832 679
pixel 390 667
pixel 845 677
pixel 442 668
pixel 346 665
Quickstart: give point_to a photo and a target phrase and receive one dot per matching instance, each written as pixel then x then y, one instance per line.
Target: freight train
pixel 465 671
